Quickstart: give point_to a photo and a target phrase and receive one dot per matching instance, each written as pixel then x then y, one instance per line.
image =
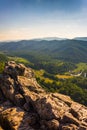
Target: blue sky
pixel 27 19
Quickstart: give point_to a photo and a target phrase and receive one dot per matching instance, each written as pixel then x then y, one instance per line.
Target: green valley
pixel 59 65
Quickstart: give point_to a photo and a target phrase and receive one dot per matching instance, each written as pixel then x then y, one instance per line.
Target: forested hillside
pixel 65 50
pixel 53 63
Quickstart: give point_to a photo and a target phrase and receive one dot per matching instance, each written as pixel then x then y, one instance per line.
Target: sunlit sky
pixel 27 19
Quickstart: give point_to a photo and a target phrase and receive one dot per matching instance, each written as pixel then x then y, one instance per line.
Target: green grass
pixel 81 67
pixel 39 74
pixel 2 64
pixel 20 60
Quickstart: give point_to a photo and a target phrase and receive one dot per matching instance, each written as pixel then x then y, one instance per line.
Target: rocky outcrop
pixel 24 105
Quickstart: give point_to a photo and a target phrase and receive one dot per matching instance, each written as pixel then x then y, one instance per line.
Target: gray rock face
pixel 24 105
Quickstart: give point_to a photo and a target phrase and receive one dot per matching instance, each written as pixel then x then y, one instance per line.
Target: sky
pixel 28 19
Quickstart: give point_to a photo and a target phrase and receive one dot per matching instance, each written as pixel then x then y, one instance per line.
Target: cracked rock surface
pixel 24 105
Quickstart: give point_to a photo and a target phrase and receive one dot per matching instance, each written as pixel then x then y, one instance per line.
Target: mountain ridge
pixel 66 50
pixel 81 38
pixel 48 39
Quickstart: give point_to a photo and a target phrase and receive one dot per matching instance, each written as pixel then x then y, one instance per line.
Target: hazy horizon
pixel 32 19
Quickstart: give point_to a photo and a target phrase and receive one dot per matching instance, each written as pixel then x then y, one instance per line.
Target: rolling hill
pixel 65 50
pixel 81 38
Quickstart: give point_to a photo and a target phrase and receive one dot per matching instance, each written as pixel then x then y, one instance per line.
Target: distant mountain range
pixel 67 50
pixel 57 38
pixel 49 38
pixel 81 38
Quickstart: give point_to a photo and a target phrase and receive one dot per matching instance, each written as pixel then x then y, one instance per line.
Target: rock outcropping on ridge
pixel 24 105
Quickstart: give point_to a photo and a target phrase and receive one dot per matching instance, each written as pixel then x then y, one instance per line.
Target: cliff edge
pixel 24 105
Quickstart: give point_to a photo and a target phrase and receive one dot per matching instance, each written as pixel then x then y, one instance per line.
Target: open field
pixel 64 76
